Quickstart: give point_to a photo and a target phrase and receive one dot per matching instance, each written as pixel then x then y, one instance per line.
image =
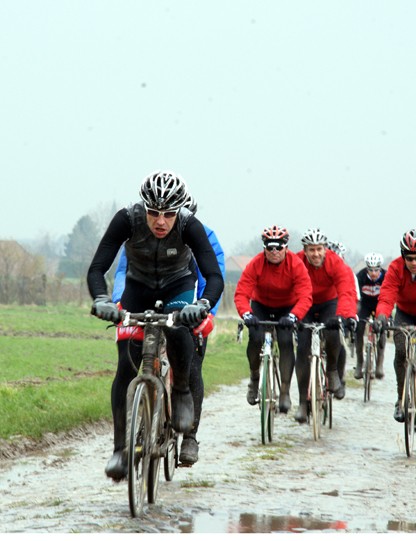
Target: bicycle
pixel 409 387
pixel 150 436
pixel 319 397
pixel 370 359
pixel 269 380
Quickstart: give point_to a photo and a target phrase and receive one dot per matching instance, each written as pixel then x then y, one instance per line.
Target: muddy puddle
pixel 356 478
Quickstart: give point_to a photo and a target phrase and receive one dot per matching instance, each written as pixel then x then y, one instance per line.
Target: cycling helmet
pixel 337 247
pixel 164 190
pixel 314 236
pixel 373 260
pixel 408 242
pixel 275 235
pixel 190 204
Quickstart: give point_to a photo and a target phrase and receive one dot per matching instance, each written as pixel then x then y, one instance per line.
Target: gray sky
pixel 295 113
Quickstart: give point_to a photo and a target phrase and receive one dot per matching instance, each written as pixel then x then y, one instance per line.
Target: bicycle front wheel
pixel 265 399
pixel 409 409
pixel 368 370
pixel 316 397
pixel 139 450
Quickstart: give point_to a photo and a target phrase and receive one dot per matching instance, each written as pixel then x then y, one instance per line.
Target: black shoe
pixel 182 411
pixel 398 412
pixel 117 466
pixel 301 415
pixel 252 391
pixel 284 403
pixel 379 371
pixel 189 451
pixel 340 393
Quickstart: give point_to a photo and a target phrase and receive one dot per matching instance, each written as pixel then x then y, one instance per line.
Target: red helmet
pixel 275 233
pixel 408 242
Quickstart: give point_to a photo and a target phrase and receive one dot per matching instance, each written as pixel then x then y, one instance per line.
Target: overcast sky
pixel 295 113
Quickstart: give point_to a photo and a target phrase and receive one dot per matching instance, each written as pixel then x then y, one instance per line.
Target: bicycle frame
pixel 370 360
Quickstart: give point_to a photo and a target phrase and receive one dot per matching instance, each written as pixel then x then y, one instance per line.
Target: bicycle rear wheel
pixel 316 398
pixel 368 369
pixel 171 459
pixel 265 396
pixel 409 409
pixel 139 450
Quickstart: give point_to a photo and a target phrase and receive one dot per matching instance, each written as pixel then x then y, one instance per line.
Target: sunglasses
pixel 410 258
pixel 272 247
pixel 168 214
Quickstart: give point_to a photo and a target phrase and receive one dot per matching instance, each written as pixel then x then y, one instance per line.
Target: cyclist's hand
pixel 104 308
pixel 334 322
pixel 205 327
pixel 351 324
pixel 287 322
pixel 194 314
pixel 250 320
pixel 380 324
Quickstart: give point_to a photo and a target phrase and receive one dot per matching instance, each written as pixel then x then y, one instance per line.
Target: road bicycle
pixel 319 397
pixel 269 380
pixel 409 387
pixel 150 436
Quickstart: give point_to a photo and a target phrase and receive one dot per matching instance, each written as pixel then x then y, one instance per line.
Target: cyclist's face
pixel 160 226
pixel 410 262
pixel 374 274
pixel 275 256
pixel 315 254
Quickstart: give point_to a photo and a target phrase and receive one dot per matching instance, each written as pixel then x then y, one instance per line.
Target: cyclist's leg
pixel 400 318
pixel 286 367
pixel 381 345
pixel 359 337
pixel 189 447
pixel 117 465
pixel 302 367
pixel 333 348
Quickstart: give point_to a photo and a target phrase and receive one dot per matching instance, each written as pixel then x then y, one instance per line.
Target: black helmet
pixel 164 190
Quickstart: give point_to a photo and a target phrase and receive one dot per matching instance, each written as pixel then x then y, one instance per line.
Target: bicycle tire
pixel 139 450
pixel 171 459
pixel 368 369
pixel 409 409
pixel 316 398
pixel 264 402
pixel 274 395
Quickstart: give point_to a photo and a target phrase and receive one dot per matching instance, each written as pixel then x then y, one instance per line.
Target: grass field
pixel 57 365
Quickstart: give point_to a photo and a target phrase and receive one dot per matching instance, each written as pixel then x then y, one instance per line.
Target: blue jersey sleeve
pixel 120 277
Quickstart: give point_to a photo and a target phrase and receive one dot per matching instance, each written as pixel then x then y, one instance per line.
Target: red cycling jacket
pixel 276 286
pixel 398 288
pixel 333 280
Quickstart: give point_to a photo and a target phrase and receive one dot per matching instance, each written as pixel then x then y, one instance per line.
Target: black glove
pixel 104 308
pixel 287 322
pixel 250 320
pixel 380 324
pixel 334 323
pixel 351 324
pixel 194 314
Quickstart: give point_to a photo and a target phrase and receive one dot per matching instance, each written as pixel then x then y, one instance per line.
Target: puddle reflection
pixel 206 522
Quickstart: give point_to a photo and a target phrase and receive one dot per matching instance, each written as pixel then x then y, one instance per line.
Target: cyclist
pixel 274 286
pixel 160 237
pixel 399 290
pixel 369 279
pixel 189 447
pixel 334 303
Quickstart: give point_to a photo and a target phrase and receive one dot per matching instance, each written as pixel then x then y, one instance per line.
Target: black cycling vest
pixel 152 261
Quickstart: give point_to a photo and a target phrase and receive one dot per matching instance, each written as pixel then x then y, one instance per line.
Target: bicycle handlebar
pixel 129 319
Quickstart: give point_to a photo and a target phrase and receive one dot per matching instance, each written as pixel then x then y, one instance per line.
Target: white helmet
pixel 373 260
pixel 314 236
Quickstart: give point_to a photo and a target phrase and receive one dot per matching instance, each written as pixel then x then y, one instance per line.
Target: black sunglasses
pixel 271 247
pixel 410 257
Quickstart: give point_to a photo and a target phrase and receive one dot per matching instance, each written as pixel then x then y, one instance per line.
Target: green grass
pixel 57 365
